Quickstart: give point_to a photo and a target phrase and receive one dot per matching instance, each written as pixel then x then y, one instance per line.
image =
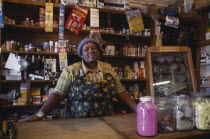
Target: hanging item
pixel 62 54
pixel 94 17
pixel 49 17
pixel 172 22
pixel 76 19
pixel 1 15
pixel 61 22
pixel 135 21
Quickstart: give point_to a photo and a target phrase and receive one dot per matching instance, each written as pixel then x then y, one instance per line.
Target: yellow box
pixel 35 91
pixel 22 101
pixel 23 93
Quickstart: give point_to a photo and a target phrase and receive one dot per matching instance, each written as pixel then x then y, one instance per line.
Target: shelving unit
pixel 37 35
pixel 203 68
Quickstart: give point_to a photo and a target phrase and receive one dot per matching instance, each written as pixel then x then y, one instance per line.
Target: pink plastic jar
pixel 147 117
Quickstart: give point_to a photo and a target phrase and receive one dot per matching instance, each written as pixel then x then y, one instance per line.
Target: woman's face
pixel 90 52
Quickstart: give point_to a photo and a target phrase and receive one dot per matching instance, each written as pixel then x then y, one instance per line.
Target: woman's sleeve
pixel 63 84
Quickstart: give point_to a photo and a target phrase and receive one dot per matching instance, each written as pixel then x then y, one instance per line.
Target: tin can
pixel 45 47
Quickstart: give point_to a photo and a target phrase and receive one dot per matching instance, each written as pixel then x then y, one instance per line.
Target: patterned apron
pixel 87 99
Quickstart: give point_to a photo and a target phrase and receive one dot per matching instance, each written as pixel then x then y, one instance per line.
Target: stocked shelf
pixel 31 52
pixel 37 28
pixel 12 81
pixel 33 81
pixel 124 57
pixel 52 81
pixel 55 53
pixel 204 86
pixel 205 64
pixel 133 80
pixel 18 106
pixel 57 5
pixel 41 81
pixel 30 2
pixel 38 3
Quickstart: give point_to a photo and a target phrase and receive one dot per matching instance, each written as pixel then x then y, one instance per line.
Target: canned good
pixel 46 47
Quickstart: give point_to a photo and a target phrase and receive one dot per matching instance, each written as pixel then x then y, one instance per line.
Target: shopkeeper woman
pixel 88 85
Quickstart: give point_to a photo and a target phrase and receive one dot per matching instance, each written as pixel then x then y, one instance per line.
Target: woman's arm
pixel 49 105
pixel 125 98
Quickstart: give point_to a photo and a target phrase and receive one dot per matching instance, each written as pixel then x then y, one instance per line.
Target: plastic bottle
pixel 147 117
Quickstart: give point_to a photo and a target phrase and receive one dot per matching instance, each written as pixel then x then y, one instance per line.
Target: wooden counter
pixel 111 127
pixel 126 125
pixel 82 128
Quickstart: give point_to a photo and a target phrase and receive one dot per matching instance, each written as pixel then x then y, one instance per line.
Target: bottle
pixel 27 22
pixel 51 46
pixel 56 47
pixel 201 59
pixel 32 23
pixel 120 73
pixel 166 120
pixel 207 57
pixel 146 117
pixel 201 111
pixel 184 113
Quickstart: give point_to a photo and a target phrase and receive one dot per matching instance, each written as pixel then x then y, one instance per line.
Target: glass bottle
pixel 120 73
pixel 202 111
pixel 184 113
pixel 166 119
pixel 147 117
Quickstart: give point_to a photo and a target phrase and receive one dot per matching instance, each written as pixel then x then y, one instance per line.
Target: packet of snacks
pixel 135 21
pixel 172 22
pixel 76 19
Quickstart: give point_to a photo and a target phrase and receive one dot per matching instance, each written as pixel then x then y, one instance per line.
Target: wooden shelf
pixel 30 2
pixel 55 53
pixel 51 81
pixel 22 106
pixel 30 52
pixel 204 86
pixel 133 80
pixel 33 81
pixel 38 3
pixel 18 106
pixel 123 57
pixel 125 35
pixel 12 81
pixel 202 43
pixel 205 64
pixel 67 31
pixel 43 81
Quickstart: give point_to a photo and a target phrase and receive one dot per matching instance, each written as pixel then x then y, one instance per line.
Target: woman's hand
pixel 31 118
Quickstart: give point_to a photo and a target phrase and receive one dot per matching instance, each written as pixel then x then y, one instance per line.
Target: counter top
pixel 77 128
pixel 119 126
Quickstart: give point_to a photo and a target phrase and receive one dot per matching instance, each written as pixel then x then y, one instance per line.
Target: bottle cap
pixel 146 98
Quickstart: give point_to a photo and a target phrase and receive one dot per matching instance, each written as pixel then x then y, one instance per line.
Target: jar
pixel 146 117
pixel 166 119
pixel 184 113
pixel 202 112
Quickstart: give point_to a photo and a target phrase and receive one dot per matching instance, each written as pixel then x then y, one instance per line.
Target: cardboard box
pixel 35 91
pixel 201 4
pixel 22 101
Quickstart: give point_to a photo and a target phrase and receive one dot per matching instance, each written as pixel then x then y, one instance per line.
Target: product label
pixel 49 17
pixel 61 22
pixel 76 19
pixel 135 21
pixel 1 16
